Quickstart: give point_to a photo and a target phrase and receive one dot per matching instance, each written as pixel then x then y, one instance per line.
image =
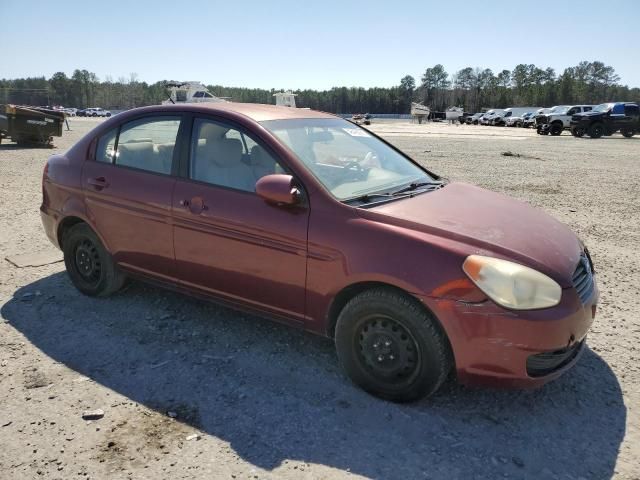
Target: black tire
pixel 627 132
pixel 556 129
pixel 596 130
pixel 391 346
pixel 89 265
pixel 577 132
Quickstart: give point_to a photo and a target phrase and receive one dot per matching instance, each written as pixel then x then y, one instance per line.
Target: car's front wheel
pixel 89 265
pixel 596 130
pixel 391 346
pixel 556 129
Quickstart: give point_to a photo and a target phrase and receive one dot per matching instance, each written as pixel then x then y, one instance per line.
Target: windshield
pixel 345 158
pixel 603 107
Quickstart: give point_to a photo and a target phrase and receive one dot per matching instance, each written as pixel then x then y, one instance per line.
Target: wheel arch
pixel 350 291
pixel 65 224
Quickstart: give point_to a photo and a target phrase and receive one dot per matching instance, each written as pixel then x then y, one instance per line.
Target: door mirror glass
pixel 278 189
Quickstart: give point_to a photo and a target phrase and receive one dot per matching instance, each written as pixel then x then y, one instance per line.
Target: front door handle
pixel 98 183
pixel 196 205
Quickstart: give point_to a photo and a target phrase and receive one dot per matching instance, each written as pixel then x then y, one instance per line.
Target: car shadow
pixel 276 393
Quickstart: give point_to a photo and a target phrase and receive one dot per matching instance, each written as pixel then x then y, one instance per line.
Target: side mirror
pixel 278 189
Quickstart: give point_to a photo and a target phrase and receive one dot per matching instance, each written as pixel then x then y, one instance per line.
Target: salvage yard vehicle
pixel 502 119
pixel 306 218
pixel 557 120
pixel 541 117
pixel 606 119
pixel 96 112
pixel 30 125
pixel 488 117
pixel 473 119
pixel 529 119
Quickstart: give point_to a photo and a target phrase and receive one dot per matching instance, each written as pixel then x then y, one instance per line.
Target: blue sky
pixel 316 44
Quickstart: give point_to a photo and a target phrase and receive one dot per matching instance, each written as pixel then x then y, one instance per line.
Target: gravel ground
pixel 253 399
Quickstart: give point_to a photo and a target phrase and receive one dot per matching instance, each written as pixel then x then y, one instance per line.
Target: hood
pixel 490 224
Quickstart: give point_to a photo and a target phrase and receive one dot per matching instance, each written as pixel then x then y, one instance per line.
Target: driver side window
pixel 224 156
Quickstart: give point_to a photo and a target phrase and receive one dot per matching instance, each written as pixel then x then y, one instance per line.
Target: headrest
pixel 226 152
pixel 165 147
pixel 138 140
pixel 260 157
pixel 211 131
pixel 135 147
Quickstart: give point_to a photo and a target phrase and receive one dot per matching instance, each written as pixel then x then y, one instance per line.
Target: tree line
pixel 474 89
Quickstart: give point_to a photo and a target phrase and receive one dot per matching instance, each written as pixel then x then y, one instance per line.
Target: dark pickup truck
pixel 606 119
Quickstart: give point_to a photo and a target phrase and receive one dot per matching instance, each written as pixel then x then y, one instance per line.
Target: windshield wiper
pixel 408 191
pixel 414 186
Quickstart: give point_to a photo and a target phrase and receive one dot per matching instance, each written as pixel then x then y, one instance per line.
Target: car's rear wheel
pixel 89 265
pixel 556 129
pixel 596 130
pixel 391 346
pixel 628 132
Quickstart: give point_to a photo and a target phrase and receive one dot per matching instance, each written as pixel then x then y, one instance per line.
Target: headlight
pixel 512 285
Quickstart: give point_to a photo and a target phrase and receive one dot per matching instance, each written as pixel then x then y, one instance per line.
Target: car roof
pixel 256 111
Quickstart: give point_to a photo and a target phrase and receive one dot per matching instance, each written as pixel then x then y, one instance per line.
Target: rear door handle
pixel 98 183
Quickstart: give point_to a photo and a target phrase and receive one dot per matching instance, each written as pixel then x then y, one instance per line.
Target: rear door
pixel 632 116
pixel 228 241
pixel 128 189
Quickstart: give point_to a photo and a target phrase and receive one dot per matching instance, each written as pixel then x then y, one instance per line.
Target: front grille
pixel 541 119
pixel 542 364
pixel 583 278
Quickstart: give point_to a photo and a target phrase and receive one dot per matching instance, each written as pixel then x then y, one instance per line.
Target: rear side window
pixel 587 109
pixel 148 144
pixel 631 110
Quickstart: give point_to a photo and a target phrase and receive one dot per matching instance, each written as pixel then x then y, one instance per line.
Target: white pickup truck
pixel 558 119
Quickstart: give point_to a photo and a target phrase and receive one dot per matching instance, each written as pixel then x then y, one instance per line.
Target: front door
pixel 228 241
pixel 128 188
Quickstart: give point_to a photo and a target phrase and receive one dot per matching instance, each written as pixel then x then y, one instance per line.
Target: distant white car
pixel 529 119
pixel 71 111
pixel 513 121
pixel 97 112
pixel 488 117
pixel 474 119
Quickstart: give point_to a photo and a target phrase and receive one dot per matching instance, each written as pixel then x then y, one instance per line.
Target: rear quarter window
pixel 106 149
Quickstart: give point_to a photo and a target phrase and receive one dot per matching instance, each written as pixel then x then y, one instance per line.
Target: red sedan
pixel 308 219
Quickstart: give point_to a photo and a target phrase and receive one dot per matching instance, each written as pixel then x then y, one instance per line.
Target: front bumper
pixel 493 346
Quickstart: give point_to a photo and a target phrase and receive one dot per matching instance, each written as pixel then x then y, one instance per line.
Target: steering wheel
pixel 371 160
pixel 354 167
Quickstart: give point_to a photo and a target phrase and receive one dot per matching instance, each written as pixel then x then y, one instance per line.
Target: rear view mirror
pixel 278 189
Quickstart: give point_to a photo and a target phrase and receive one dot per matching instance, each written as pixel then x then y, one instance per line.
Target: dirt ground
pixel 267 401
